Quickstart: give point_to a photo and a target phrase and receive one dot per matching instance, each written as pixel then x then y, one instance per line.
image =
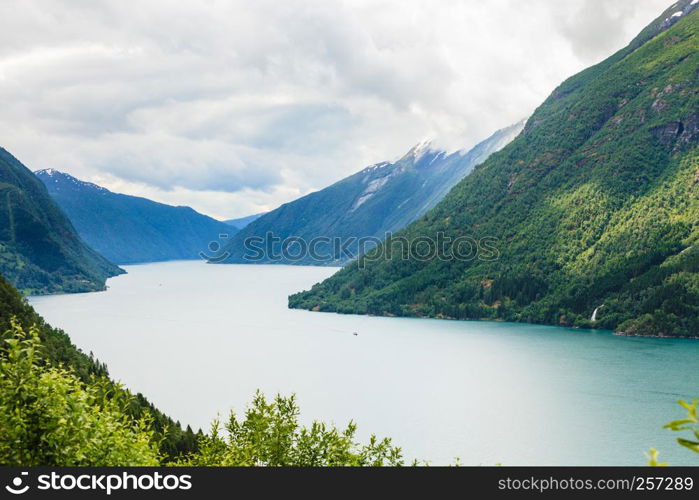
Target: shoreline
pixel 686 337
pixel 316 309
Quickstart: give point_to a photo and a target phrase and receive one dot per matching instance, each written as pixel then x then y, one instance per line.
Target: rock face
pixel 354 214
pixel 128 229
pixel 40 251
pixel 596 202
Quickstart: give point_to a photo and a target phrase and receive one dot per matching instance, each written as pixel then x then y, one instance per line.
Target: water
pixel 199 339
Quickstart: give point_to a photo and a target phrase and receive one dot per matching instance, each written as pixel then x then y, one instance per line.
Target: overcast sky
pixel 234 107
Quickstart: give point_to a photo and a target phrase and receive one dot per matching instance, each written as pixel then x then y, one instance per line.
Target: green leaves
pixel 653 460
pixel 692 445
pixel 690 423
pixel 57 407
pixel 687 423
pixel 57 349
pixel 270 435
pixel 50 417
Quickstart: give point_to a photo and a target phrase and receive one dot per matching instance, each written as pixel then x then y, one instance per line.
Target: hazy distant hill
pixel 241 222
pixel 129 229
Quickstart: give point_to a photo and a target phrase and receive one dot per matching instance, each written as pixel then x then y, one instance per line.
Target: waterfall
pixel 594 313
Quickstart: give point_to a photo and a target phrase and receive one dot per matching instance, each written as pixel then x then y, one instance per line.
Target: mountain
pixel 243 221
pixel 589 218
pixel 40 251
pixel 380 199
pixel 128 229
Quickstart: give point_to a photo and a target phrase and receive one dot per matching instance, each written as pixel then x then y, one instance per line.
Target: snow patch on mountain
pixel 57 177
pixel 375 167
pixel 421 149
pixel 372 188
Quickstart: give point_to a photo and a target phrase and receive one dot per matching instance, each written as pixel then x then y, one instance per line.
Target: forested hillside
pixel 40 251
pixel 593 207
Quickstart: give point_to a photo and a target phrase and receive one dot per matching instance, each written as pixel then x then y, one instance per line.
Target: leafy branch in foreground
pixel 690 423
pixel 57 349
pixel 270 435
pixel 50 416
pixel 653 457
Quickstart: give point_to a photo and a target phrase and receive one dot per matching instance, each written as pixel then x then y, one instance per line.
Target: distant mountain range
pixel 592 212
pixel 128 229
pixel 40 251
pixel 380 199
pixel 243 221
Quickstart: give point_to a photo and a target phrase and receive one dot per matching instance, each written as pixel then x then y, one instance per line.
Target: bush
pixel 48 416
pixel 270 435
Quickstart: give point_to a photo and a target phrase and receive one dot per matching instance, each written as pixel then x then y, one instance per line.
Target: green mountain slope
pixel 40 252
pixel 128 229
pixel 380 199
pixel 593 207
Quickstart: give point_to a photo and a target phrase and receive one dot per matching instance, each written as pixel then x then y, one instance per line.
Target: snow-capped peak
pixel 48 171
pixel 61 178
pixel 376 166
pixel 421 149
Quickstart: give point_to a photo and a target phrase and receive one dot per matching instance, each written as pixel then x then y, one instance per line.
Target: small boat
pixel 355 334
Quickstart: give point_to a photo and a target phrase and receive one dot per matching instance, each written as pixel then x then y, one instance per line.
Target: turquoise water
pixel 199 339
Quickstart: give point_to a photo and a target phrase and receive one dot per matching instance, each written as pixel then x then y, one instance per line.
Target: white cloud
pixel 236 106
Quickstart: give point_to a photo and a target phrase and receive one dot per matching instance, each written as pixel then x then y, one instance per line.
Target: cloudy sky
pixel 233 107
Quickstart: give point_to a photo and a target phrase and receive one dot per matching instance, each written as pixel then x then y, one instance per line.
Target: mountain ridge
pixel 240 222
pixel 131 229
pixel 359 209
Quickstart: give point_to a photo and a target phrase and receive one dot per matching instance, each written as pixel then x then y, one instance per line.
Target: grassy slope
pixel 595 203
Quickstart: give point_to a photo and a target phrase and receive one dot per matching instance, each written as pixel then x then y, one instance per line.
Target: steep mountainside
pixel 40 252
pixel 593 209
pixel 380 199
pixel 128 229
